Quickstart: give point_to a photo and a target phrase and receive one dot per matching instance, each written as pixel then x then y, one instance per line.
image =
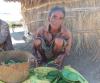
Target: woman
pixel 53 42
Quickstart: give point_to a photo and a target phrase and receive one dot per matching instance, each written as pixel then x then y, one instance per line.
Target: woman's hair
pixel 57 8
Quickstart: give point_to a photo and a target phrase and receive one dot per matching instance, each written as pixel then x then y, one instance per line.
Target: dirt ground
pixel 18 41
pixel 88 68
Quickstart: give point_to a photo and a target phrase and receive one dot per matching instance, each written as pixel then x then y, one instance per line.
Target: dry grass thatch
pixel 40 3
pixel 82 18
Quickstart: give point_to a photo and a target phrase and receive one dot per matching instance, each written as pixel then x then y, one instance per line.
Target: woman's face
pixel 56 19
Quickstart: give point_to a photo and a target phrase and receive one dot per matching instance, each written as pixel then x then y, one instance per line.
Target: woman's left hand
pixel 59 60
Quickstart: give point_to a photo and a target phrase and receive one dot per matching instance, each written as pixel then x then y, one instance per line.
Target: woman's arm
pixel 69 42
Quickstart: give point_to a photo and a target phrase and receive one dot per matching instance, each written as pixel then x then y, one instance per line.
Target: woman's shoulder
pixel 42 28
pixel 3 23
pixel 65 29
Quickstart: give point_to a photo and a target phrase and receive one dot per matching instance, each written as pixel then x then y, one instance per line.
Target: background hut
pixel 83 20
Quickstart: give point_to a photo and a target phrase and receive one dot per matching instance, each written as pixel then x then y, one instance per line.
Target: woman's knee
pixel 58 43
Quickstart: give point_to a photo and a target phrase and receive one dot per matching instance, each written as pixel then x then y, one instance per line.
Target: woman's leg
pixel 58 45
pixel 38 51
pixel 58 50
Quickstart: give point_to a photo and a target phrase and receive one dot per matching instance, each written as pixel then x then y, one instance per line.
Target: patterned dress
pixel 46 49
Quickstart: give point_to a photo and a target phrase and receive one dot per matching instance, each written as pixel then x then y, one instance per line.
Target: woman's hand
pixel 59 60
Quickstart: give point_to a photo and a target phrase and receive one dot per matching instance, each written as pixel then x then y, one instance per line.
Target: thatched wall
pixel 38 3
pixel 82 18
pixel 35 16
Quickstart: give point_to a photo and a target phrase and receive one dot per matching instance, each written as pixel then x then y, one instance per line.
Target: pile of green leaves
pixel 53 75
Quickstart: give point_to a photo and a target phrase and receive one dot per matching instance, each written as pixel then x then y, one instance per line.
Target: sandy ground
pixel 88 68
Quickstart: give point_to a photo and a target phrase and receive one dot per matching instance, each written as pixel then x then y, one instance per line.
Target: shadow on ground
pixel 88 67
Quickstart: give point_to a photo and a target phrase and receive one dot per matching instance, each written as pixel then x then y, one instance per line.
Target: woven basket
pixel 14 73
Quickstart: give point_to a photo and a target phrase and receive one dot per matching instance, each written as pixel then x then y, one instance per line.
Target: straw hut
pixel 83 20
